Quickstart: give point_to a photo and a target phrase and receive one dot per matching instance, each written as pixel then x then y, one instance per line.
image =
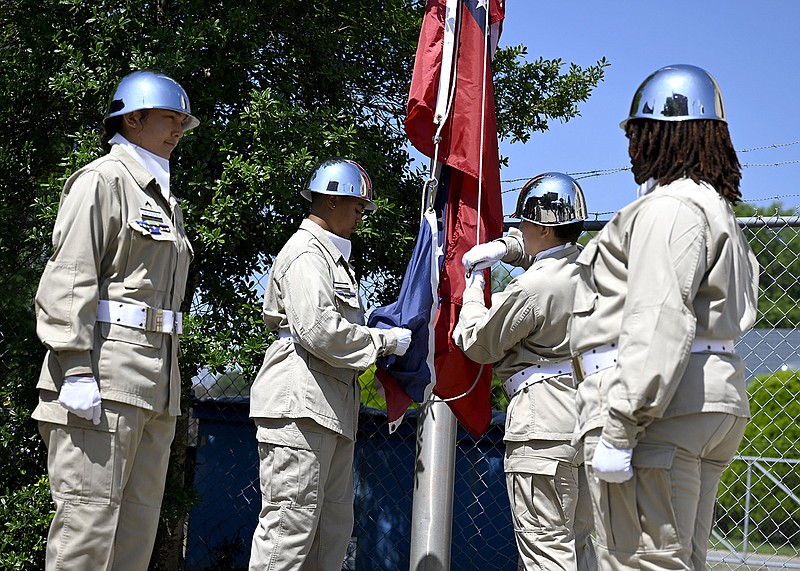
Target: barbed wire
pixel 745 165
pixel 605 172
pixel 774 146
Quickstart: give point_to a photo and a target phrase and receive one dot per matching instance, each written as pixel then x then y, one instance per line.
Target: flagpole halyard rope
pixel 486 36
pixel 440 119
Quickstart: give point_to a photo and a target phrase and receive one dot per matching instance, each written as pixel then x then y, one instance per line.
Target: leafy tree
pixel 278 85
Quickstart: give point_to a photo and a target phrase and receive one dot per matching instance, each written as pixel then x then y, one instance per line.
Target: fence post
pixel 434 482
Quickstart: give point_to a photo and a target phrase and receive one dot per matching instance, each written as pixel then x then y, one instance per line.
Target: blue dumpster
pixel 226 479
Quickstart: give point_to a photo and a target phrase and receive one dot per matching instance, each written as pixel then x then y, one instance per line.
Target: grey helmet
pixel 678 93
pixel 343 177
pixel 551 199
pixel 149 90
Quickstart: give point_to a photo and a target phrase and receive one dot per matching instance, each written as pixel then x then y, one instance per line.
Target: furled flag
pixel 451 119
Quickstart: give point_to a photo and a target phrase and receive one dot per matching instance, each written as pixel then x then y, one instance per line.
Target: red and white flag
pixel 451 99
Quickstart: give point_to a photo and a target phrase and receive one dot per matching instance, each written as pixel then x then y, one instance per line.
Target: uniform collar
pixel 155 165
pixel 138 172
pixel 323 236
pixel 342 244
pixel 556 252
pixel 645 188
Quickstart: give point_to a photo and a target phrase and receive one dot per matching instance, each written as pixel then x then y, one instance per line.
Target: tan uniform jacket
pixel 670 266
pixel 101 252
pixel 527 324
pixel 312 299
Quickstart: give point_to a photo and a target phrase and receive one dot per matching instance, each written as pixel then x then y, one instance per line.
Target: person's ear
pixel 332 202
pixel 132 120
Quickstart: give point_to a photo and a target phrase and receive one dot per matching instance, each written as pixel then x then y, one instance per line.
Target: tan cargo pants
pixel 550 505
pixel 107 482
pixel 306 476
pixel 662 517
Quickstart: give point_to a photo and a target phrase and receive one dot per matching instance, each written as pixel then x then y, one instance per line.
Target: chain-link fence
pixel 758 512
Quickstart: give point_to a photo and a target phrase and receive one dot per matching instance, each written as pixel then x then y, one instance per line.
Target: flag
pixel 451 102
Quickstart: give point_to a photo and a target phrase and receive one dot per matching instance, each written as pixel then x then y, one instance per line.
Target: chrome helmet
pixel 343 177
pixel 677 93
pixel 551 199
pixel 149 90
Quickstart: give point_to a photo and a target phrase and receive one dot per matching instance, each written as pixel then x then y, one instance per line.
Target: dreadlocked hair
pixel 698 149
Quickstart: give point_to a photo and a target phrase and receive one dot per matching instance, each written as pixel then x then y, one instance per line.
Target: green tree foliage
pixel 776 250
pixel 277 85
pixel 25 516
pixel 773 433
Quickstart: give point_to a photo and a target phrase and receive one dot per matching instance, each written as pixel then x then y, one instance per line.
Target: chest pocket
pixel 346 296
pixel 586 290
pixel 151 255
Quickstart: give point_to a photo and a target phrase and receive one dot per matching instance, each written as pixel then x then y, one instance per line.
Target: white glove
pixel 403 340
pixel 475 279
pixel 612 464
pixel 483 256
pixel 81 397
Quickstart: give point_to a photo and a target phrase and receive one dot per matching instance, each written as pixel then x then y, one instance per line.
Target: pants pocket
pixel 81 462
pixel 655 496
pixel 289 475
pixel 637 515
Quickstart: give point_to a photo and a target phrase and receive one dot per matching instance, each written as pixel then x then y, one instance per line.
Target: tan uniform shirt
pixel 670 266
pixel 527 324
pixel 312 300
pixel 101 252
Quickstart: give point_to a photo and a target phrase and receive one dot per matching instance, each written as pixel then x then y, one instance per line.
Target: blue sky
pixel 751 49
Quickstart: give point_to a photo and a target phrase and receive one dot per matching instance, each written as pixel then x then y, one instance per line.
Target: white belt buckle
pixel 140 316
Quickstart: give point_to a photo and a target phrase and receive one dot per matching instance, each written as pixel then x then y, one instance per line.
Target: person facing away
pixel 524 335
pixel 305 399
pixel 665 290
pixel 108 311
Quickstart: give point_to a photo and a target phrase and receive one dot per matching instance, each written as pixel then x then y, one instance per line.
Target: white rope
pixel 443 110
pixel 462 395
pixel 486 27
pixel 440 118
pixel 486 36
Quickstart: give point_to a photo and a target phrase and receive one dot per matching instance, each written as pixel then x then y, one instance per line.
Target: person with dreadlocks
pixel 665 289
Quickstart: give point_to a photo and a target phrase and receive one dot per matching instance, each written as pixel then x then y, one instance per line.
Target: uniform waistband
pixel 535 374
pixel 140 316
pixel 284 334
pixel 605 356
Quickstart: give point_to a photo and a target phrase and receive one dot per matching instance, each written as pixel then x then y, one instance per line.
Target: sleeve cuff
pixel 385 342
pixel 621 434
pixel 473 295
pixel 75 363
pixel 515 249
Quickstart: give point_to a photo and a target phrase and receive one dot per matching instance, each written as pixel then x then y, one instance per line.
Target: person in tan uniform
pixel 665 290
pixel 524 335
pixel 305 399
pixel 107 310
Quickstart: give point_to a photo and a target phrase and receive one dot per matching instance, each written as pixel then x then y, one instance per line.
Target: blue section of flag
pixel 415 307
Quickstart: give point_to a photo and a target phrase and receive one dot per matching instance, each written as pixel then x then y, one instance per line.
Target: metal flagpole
pixel 434 473
pixel 434 481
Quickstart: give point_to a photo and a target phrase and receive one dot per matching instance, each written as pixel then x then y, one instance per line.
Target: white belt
pixel 535 374
pixel 140 316
pixel 605 356
pixel 284 334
